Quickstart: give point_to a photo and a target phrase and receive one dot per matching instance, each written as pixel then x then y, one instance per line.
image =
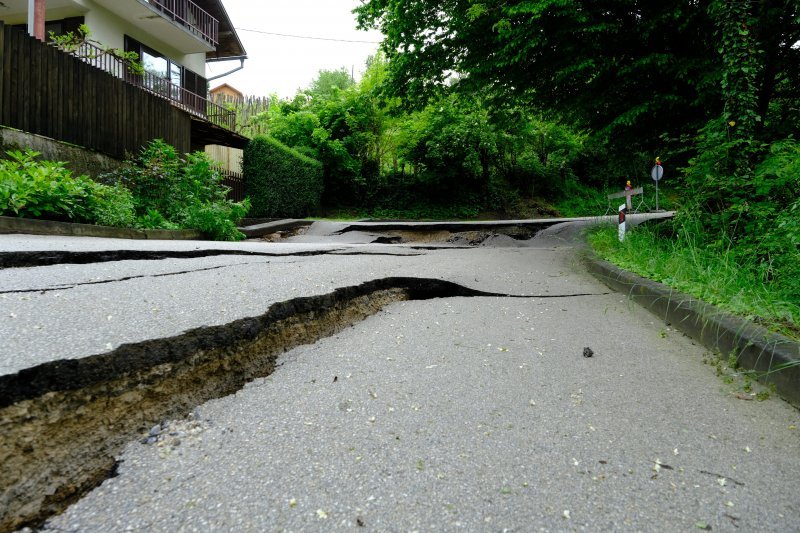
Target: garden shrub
pixel 280 181
pixel 47 190
pixel 111 205
pixel 170 191
pixel 217 219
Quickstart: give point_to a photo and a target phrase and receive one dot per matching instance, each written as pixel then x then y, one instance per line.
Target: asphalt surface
pixel 474 414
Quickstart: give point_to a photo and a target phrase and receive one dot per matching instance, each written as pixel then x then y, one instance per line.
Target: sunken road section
pixel 62 423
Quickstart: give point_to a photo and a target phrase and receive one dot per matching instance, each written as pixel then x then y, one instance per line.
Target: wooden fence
pixel 229 161
pixel 234 180
pixel 250 112
pixel 48 92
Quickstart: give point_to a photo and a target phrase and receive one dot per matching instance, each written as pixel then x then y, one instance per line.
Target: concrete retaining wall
pixel 49 227
pixel 79 160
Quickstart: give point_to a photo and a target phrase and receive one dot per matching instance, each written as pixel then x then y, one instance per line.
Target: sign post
pixel 623 210
pixel 657 172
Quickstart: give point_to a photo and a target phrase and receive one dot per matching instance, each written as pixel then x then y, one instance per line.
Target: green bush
pixel 47 189
pixel 111 206
pixel 217 219
pixel 172 192
pixel 280 181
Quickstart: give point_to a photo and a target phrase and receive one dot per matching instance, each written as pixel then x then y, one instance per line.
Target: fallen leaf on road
pixel 743 396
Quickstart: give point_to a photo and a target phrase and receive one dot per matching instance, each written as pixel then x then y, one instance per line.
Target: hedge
pixel 280 181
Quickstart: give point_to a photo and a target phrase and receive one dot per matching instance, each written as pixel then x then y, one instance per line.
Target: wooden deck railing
pixel 48 92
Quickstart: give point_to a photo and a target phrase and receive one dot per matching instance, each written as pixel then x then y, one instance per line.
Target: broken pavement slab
pixel 273 226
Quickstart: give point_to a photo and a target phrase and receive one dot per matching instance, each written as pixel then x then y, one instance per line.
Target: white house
pixel 174 38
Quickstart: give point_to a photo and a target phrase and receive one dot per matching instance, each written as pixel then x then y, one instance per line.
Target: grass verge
pixel 718 279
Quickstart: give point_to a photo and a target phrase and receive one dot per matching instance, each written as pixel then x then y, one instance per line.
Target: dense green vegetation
pixel 459 156
pixel 510 108
pixel 47 189
pixel 172 191
pixel 725 279
pixel 156 189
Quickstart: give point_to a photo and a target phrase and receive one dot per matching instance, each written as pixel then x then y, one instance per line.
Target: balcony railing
pixel 190 102
pixel 191 16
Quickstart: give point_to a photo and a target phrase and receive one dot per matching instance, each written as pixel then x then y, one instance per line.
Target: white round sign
pixel 657 172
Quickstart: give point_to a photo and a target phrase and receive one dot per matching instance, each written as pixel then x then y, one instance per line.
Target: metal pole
pixel 31 16
pixel 657 194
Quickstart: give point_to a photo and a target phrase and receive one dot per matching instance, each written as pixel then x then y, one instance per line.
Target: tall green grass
pixel 723 279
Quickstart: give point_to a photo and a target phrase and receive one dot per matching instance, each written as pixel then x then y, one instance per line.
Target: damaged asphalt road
pixel 452 413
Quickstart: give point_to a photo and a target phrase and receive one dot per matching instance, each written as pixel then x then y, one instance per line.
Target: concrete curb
pixel 30 226
pixel 755 347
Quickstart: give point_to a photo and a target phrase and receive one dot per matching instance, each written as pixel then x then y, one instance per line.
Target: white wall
pixel 110 30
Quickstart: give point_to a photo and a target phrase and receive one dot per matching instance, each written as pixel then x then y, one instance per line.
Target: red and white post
pixel 623 211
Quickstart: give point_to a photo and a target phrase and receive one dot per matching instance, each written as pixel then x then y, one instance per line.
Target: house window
pixel 166 70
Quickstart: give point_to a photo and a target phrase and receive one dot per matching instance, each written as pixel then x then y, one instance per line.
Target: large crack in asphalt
pixel 22 259
pixel 55 288
pixel 62 423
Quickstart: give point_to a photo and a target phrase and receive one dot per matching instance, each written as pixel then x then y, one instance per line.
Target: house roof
pixel 223 86
pixel 230 46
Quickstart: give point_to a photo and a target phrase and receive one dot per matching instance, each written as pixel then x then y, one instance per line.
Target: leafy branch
pixel 82 46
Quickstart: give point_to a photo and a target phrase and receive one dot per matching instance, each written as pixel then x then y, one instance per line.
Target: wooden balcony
pixel 191 16
pixel 92 99
pixel 188 101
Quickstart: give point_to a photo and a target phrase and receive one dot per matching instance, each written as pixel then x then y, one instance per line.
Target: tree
pixel 633 72
pixel 453 145
pixel 328 81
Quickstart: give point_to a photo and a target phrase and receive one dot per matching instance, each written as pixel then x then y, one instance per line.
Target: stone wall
pixel 79 160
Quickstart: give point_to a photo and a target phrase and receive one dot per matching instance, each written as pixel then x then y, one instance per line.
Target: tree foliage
pixel 459 148
pixel 637 75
